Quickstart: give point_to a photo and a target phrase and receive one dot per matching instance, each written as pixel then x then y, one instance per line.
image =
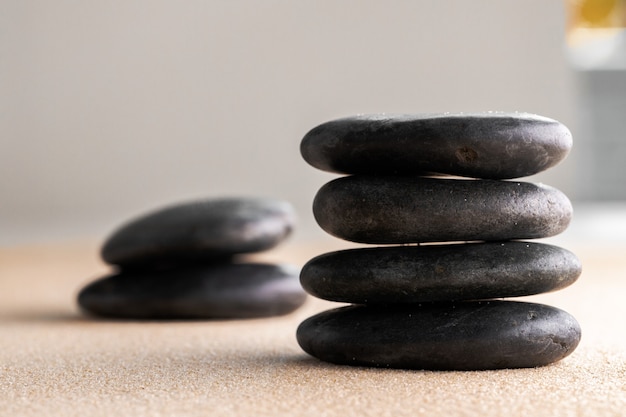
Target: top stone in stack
pixel 491 145
pixel 200 231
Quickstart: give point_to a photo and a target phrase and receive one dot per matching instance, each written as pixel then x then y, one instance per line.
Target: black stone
pixel 411 209
pixel 480 145
pixel 462 336
pixel 199 231
pixel 220 291
pixel 416 274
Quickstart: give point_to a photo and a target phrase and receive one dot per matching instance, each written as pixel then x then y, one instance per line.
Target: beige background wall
pixel 109 108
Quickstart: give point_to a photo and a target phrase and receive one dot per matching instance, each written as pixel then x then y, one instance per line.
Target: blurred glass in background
pixel 596 49
pixel 596 34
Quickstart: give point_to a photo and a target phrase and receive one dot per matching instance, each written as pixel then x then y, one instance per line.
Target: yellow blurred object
pixel 596 33
pixel 598 12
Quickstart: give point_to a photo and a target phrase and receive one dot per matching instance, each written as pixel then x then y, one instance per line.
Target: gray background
pixel 111 108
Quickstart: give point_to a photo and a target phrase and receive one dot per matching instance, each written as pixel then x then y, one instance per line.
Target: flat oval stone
pixel 411 209
pixel 416 274
pixel 219 291
pixel 461 336
pixel 199 231
pixel 481 145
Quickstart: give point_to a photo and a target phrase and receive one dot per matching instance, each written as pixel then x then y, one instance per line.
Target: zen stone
pixel 462 336
pixel 481 145
pixel 220 291
pixel 199 231
pixel 407 209
pixel 415 274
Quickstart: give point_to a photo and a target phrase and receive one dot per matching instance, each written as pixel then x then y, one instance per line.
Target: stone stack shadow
pixel 438 191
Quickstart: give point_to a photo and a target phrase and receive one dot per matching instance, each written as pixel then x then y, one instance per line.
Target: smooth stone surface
pixel 390 209
pixel 220 291
pixel 200 230
pixel 415 274
pixel 481 145
pixel 462 336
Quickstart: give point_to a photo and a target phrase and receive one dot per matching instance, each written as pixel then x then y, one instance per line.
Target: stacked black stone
pixel 181 262
pixel 432 306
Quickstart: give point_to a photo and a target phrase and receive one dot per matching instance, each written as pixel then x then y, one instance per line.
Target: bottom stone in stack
pixel 472 335
pixel 212 291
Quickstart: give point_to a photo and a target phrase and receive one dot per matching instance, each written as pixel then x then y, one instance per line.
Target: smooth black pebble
pixel 415 274
pixel 461 336
pixel 202 230
pixel 480 145
pixel 412 209
pixel 219 291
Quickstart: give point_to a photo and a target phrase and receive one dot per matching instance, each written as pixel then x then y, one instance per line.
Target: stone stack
pixel 433 306
pixel 183 262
